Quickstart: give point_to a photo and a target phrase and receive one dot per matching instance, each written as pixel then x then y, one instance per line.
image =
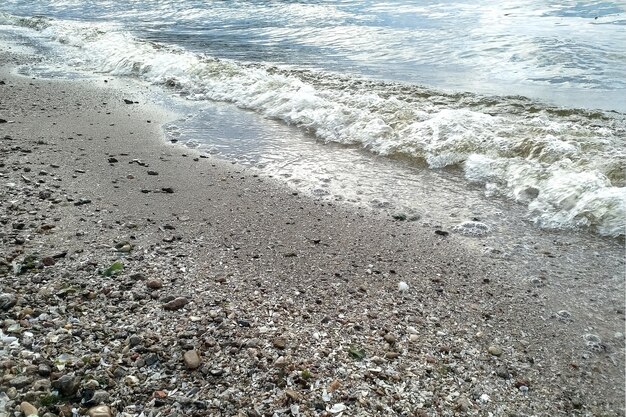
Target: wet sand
pixel 287 304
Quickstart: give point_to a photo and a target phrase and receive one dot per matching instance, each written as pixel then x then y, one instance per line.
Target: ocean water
pixel 474 108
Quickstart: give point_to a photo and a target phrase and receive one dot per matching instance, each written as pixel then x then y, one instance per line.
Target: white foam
pixel 561 167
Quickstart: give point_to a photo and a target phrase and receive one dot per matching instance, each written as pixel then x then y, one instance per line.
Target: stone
pixel 7 301
pixel 20 381
pixel 279 343
pixel 135 340
pixel 28 409
pixel 99 411
pixel 390 338
pixel 176 304
pixel 463 404
pixel 131 380
pixel 192 359
pixel 43 369
pixel 495 350
pixel 293 395
pixel 151 359
pixel 392 355
pixel 154 284
pixel 41 385
pixel 67 385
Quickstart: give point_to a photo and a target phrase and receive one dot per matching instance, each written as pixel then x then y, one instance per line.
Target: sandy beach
pixel 140 278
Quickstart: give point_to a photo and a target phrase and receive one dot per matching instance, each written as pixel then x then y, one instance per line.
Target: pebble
pixel 279 343
pixel 20 381
pixel 293 395
pixel 28 409
pixel 495 350
pixel 43 369
pixel 67 385
pixel 463 404
pixel 192 359
pixel 390 338
pixel 392 355
pixel 7 301
pixel 135 340
pixel 131 380
pixel 99 411
pixel 154 284
pixel 176 304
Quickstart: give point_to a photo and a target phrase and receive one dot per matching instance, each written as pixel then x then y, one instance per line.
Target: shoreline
pixel 288 303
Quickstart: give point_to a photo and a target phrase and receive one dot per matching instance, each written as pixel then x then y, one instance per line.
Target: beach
pixel 140 277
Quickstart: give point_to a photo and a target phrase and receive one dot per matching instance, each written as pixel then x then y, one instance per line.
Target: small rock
pixel 135 340
pixel 495 350
pixel 20 381
pixel 151 359
pixel 167 190
pixel 28 409
pixel 99 411
pixel 67 385
pixel 153 173
pixel 154 284
pixel 503 372
pixel 390 338
pixel 192 359
pixel 112 160
pixel 334 386
pixel 176 304
pixel 293 395
pixel 463 404
pixel 99 397
pixel 279 343
pixel 392 355
pixel 7 301
pixel 43 370
pixel 131 380
pixel 41 385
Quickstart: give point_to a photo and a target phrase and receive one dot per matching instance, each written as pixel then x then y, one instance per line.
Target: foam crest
pixel 566 165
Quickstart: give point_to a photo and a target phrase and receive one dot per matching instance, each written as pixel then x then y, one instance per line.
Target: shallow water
pixel 466 89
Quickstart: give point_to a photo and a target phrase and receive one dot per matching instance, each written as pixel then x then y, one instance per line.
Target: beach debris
pixel 403 286
pixel 441 233
pixel 127 101
pixel 337 408
pixel 167 190
pixel 357 353
pixel 115 267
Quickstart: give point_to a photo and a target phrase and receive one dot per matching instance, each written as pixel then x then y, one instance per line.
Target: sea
pixel 470 115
